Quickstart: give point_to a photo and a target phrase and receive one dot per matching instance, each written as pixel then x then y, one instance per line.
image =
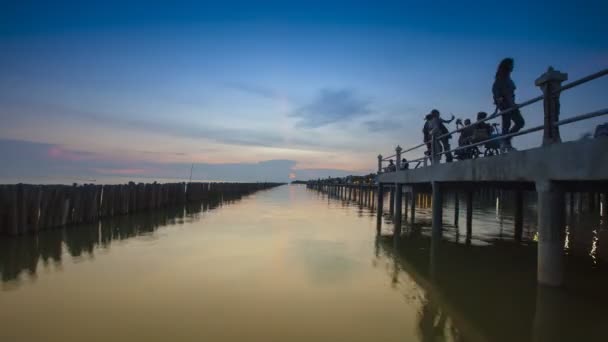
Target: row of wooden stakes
pixel 26 208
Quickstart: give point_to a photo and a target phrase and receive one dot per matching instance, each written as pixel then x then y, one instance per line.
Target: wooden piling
pixel 469 220
pixel 519 213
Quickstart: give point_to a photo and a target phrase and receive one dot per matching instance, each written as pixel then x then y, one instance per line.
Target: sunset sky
pixel 262 90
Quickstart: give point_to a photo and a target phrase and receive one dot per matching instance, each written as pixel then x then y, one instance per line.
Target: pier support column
pixel 550 233
pixel 519 215
pixel 437 207
pixel 392 201
pixel 469 216
pixel 413 207
pixel 605 204
pixel 456 209
pixel 379 208
pixel 360 195
pixel 406 199
pixel 398 189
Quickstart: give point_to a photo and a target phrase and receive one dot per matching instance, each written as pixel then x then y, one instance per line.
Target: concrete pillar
pixel 437 207
pixel 550 82
pixel 392 201
pixel 360 194
pixel 550 233
pixel 406 199
pixel 398 189
pixel 413 208
pixel 469 216
pixel 519 215
pixel 456 209
pixel 380 199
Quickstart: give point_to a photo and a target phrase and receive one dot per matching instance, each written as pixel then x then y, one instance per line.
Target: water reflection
pixel 489 293
pixel 294 265
pixel 24 254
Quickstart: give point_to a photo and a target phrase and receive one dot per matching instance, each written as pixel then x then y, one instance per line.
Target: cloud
pixel 124 172
pixel 384 125
pixel 254 90
pixel 330 106
pixel 230 136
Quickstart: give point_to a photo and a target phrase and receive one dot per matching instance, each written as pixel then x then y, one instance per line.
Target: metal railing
pixel 550 83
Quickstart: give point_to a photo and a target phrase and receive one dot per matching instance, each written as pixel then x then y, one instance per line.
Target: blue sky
pixel 313 88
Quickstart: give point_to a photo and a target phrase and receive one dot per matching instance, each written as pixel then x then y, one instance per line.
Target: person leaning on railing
pixel 503 91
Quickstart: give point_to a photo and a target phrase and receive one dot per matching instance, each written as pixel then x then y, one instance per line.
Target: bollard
pixel 550 82
pixel 398 150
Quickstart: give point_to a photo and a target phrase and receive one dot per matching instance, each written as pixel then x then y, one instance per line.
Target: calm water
pixel 291 264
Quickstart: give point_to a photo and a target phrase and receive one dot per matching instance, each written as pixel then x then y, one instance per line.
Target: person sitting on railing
pixel 503 91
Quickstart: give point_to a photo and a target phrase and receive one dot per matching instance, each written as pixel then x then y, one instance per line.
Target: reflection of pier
pixel 24 253
pixel 470 291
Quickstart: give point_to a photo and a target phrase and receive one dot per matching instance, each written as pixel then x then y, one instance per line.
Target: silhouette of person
pixel 503 91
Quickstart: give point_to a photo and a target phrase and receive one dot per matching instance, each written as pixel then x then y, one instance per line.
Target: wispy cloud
pixel 256 90
pixel 330 106
pixel 384 125
pixel 230 136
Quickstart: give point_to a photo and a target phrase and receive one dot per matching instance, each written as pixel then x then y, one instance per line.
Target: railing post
pixel 433 148
pixel 379 163
pixel 398 156
pixel 549 83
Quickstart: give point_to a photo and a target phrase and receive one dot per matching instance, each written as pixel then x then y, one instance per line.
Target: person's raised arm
pixel 448 121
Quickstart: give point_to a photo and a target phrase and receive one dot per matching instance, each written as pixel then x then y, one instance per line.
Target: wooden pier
pixel 552 171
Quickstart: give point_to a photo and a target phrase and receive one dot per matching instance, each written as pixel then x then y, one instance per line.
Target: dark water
pixel 291 264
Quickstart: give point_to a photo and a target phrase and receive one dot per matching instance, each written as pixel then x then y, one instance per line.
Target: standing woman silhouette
pixel 504 98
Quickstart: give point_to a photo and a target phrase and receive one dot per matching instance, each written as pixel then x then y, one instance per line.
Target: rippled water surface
pixel 291 264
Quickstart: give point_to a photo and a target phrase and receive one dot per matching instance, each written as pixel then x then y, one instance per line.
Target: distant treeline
pixel 26 208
